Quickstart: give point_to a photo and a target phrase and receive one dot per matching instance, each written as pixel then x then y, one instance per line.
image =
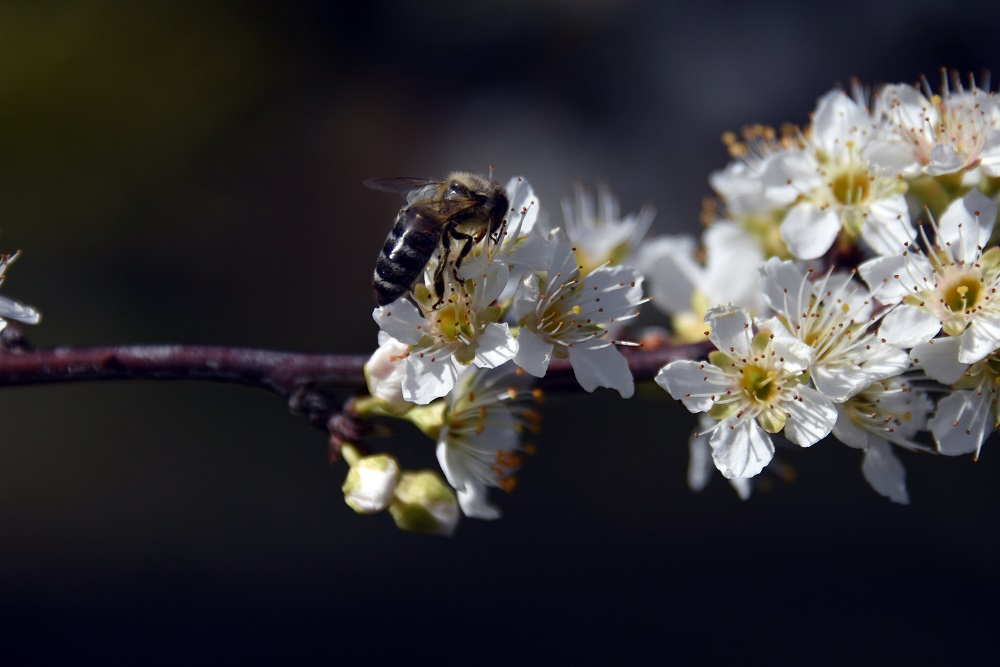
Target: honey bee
pixel 463 208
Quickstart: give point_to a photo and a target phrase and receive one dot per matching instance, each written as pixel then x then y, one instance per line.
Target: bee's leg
pixel 467 242
pixel 439 276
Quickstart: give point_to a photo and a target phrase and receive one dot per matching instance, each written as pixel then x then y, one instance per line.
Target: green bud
pixel 424 503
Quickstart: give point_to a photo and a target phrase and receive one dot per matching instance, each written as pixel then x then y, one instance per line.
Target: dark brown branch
pixel 301 379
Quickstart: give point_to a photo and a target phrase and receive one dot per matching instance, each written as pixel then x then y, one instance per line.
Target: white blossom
pixel 887 413
pixel 753 385
pixel 968 415
pixel 937 134
pixel 479 445
pixel 837 191
pixel 598 230
pixel 563 314
pixel 443 340
pixel 950 288
pixel 831 314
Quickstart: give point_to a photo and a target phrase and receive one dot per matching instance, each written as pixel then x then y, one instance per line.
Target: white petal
pixel 891 156
pixel 401 320
pixel 981 337
pixel 840 382
pixel 731 269
pixel 959 427
pixel 944 160
pixel 781 282
pixel 699 462
pixel 692 383
pixel 598 364
pixel 741 448
pixel 671 273
pixel 848 432
pixel 885 472
pixel 812 417
pixel 836 121
pixel 939 359
pixel 887 229
pixel 967 224
pixel 809 231
pixel 522 198
pixel 426 380
pixel 894 277
pixel 496 345
pixel 906 326
pixel 730 328
pixel 12 310
pixel 471 492
pixel 533 352
pixel 525 297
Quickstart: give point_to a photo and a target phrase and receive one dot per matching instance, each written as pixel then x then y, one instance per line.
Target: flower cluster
pixel 460 350
pixel 844 285
pixel 898 191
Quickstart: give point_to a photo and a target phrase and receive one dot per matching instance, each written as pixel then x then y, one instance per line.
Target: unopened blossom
pixel 753 385
pixel 443 339
pixel 955 130
pixel 371 483
pixel 479 440
pixel 598 230
pixel 888 413
pixel 10 309
pixel 565 314
pixel 951 287
pixel 685 288
pixel 424 503
pixel 831 313
pixel 970 413
pixel 838 191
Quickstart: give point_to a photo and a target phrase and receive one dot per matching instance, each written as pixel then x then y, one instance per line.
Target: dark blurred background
pixel 190 172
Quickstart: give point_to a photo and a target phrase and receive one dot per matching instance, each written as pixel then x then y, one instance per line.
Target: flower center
pixel 759 383
pixel 852 186
pixel 962 294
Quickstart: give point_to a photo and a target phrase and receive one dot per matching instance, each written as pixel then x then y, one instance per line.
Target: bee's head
pixel 490 197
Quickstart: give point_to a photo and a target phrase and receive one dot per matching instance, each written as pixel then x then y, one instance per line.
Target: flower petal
pixel 533 352
pixel 885 472
pixel 740 448
pixel 812 417
pixel 906 326
pixel 809 231
pixel 598 363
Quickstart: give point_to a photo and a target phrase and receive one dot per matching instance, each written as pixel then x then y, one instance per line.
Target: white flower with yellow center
pixel 566 315
pixel 753 385
pixel 444 339
pixel 831 314
pixel 479 441
pixel 950 288
pixel 887 413
pixel 837 191
pixel 938 134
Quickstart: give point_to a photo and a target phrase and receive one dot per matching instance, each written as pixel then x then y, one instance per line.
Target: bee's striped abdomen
pixel 408 247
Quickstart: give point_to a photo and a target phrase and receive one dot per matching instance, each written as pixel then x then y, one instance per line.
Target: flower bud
pixel 370 484
pixel 384 374
pixel 425 504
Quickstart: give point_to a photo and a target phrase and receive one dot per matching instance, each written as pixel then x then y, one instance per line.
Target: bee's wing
pixel 402 185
